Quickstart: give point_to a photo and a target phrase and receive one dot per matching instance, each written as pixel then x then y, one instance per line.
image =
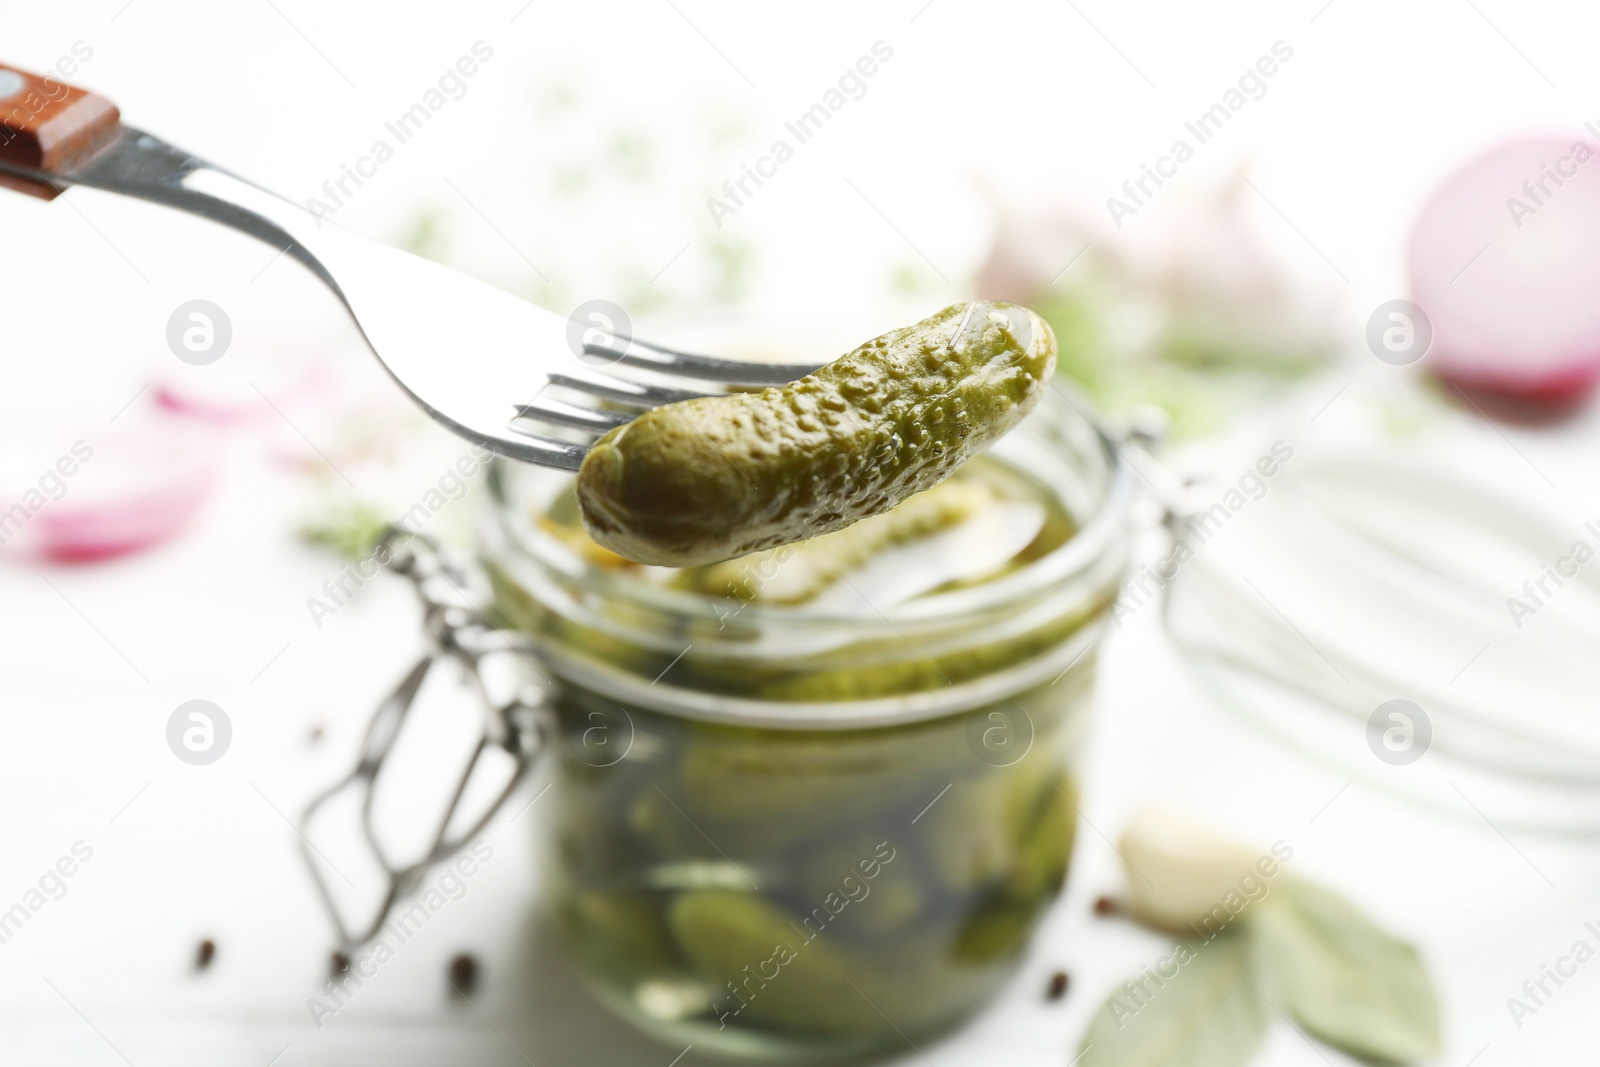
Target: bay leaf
pixel 1208 1015
pixel 1345 980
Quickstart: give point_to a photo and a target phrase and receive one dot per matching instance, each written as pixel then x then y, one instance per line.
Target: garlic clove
pixel 1186 879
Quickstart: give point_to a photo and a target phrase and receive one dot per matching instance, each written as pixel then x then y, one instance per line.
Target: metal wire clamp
pixel 518 723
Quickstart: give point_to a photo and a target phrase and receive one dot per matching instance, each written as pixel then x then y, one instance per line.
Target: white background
pixel 1377 103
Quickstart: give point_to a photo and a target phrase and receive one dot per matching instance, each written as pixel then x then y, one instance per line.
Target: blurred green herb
pixel 1119 381
pixel 632 155
pixel 571 180
pixel 426 234
pixel 554 99
pixel 733 263
pixel 1195 378
pixel 912 279
pixel 352 530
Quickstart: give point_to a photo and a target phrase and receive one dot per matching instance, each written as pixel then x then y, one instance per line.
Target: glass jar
pixel 784 830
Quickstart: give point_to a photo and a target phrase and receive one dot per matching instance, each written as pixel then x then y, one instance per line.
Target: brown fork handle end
pixel 48 125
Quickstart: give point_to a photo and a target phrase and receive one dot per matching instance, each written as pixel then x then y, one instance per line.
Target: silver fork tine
pixel 624 392
pixel 639 353
pixel 564 414
pixel 682 366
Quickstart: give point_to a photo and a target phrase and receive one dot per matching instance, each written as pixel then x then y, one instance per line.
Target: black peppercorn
pixel 464 974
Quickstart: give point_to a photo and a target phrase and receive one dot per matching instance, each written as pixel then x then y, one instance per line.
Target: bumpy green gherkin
pixel 711 479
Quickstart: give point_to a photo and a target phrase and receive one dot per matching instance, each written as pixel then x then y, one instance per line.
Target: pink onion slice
pixel 1505 261
pixel 102 492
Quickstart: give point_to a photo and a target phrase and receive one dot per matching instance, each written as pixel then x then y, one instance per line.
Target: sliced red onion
pixel 1505 261
pixel 88 495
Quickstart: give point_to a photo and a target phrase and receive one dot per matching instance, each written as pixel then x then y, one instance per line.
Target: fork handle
pixel 50 126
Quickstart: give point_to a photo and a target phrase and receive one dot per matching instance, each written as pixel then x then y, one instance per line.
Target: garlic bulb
pixel 1229 286
pixel 1044 240
pixel 1212 268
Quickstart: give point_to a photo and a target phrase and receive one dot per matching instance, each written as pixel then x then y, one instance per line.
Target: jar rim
pixel 822 715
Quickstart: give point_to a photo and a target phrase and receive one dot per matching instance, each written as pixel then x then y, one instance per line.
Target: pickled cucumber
pixel 714 478
pixel 623 928
pixel 803 882
pixel 795 574
pixel 742 944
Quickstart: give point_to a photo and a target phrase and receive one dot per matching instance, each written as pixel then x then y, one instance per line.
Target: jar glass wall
pixel 820 827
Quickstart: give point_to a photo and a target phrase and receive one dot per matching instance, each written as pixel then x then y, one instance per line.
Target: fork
pixel 488 366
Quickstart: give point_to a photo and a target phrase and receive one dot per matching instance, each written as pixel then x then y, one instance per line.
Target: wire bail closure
pixel 457 630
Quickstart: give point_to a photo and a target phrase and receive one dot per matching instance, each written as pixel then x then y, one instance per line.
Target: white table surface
pixel 98 656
